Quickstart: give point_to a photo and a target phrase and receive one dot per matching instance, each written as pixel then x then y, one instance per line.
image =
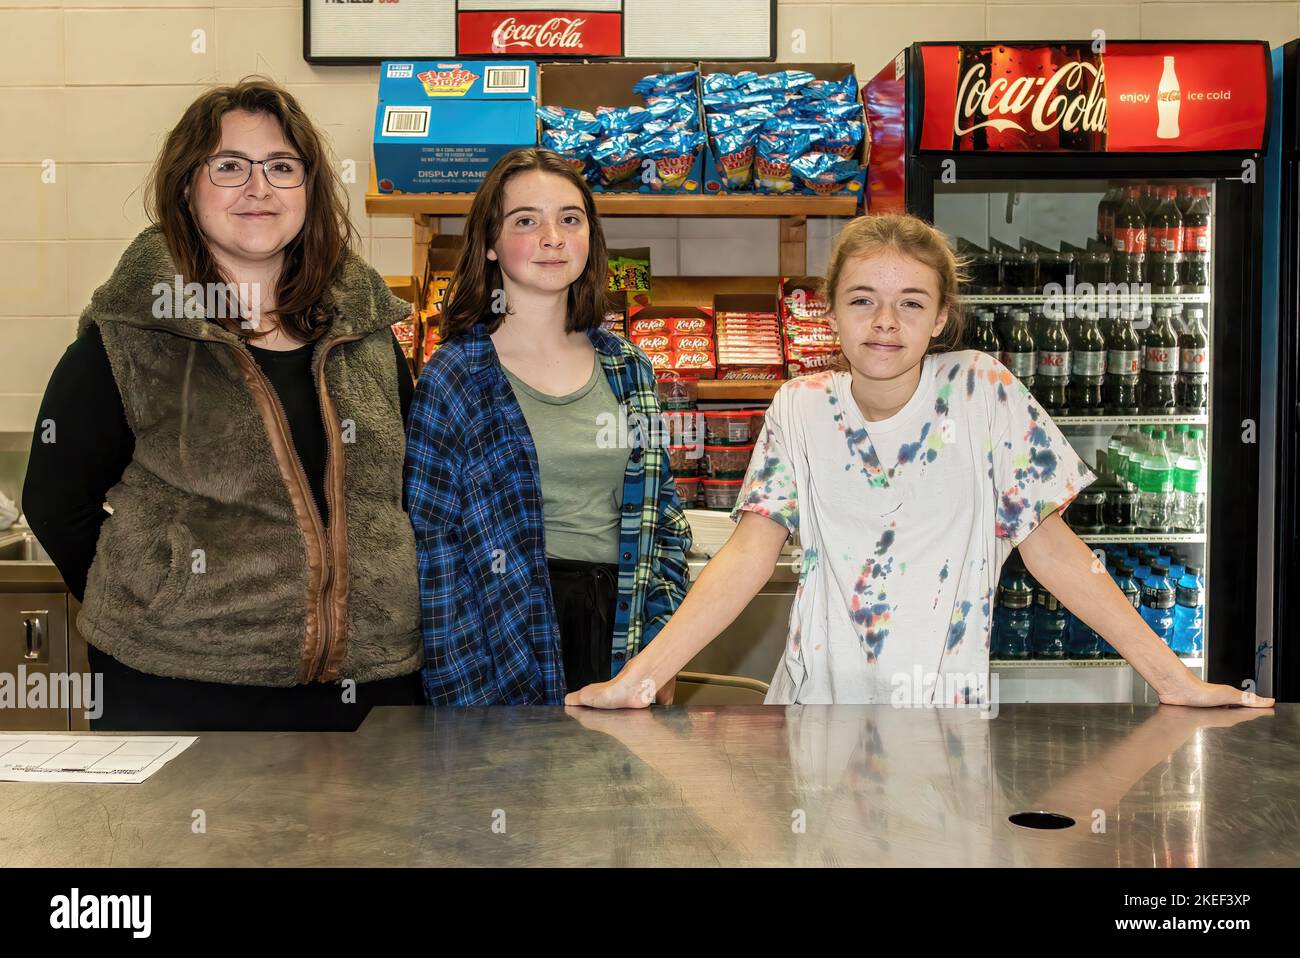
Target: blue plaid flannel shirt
pixel 474 498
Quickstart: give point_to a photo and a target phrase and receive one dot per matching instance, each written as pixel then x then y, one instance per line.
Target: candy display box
pixel 715 182
pixel 441 125
pixel 587 86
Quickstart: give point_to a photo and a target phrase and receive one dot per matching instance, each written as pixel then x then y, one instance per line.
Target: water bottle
pixel 1051 625
pixel 1189 485
pixel 1156 485
pixel 1142 559
pixel 1117 456
pixel 1189 614
pixel 1158 602
pixel 1178 441
pixel 1177 565
pixel 1013 618
pixel 1136 450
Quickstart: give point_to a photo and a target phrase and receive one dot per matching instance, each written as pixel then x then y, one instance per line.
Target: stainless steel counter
pixel 813 785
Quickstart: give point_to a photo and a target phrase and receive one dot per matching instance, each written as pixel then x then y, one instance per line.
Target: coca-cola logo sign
pixel 559 33
pixel 1073 98
pixel 1130 96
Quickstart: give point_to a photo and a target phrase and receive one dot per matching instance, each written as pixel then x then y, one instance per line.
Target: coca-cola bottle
pixel 1053 365
pixel 985 268
pixel 1094 264
pixel 1018 352
pixel 1148 200
pixel 1019 269
pixel 1130 239
pixel 1087 366
pixel 986 337
pixel 1164 242
pixel 1123 366
pixel 1106 214
pixel 1192 389
pixel 1196 242
pixel 1159 363
pixel 1185 197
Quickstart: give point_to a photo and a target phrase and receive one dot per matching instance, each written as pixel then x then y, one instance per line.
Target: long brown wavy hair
pixel 916 239
pixel 313 258
pixel 472 293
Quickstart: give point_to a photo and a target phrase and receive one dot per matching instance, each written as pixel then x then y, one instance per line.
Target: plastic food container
pixel 677 394
pixel 685 460
pixel 728 427
pixel 683 427
pixel 688 490
pixel 721 494
pixel 756 419
pixel 727 462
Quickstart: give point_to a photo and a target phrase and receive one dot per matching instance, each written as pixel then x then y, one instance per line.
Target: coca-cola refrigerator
pixel 1106 197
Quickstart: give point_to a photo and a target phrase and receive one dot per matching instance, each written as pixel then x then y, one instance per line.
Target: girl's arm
pixel 724 588
pixel 1069 570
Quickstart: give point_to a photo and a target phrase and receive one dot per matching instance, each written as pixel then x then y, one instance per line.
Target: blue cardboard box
pixel 441 125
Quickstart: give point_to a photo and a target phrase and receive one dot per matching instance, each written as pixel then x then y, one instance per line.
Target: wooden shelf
pixel 630 204
pixel 738 390
pixel 791 212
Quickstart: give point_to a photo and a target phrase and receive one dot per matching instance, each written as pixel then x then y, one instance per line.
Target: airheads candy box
pixel 441 125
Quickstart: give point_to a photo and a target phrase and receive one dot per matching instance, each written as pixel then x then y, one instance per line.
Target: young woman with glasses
pixel 236 396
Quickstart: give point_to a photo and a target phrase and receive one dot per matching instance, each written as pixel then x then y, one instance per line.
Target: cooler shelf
pixel 1191 419
pixel 1141 299
pixel 1152 538
pixel 1007 664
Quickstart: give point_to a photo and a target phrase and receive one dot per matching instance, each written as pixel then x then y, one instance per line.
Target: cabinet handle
pixel 34 634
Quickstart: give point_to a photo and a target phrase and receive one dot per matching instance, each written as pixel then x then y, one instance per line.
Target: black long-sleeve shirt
pixel 67 479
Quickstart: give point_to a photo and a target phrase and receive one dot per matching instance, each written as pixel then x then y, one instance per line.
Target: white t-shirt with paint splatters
pixel 905 524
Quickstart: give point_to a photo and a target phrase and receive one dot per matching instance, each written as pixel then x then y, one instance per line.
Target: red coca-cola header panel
pixel 1066 97
pixel 551 33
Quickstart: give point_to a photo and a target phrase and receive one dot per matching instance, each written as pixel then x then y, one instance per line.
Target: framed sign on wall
pixel 368 31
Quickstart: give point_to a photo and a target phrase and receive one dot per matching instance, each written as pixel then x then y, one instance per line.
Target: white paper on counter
pixel 123 759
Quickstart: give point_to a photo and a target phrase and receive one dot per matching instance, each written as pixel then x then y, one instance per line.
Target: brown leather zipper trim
pixel 316 623
pixel 330 657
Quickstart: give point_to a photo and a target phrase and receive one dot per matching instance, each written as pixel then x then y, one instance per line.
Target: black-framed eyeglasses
pixel 282 172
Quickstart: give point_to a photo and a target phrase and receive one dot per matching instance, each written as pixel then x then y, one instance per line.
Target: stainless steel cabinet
pixel 33 656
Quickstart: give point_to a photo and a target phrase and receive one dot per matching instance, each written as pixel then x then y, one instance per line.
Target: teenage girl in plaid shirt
pixel 549 550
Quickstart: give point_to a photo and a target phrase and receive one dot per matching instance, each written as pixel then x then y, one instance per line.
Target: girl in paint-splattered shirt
pixel 909 475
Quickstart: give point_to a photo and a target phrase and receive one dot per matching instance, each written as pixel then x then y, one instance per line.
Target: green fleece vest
pixel 215 564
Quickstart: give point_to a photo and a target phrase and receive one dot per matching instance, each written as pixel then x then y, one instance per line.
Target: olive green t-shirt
pixel 582 483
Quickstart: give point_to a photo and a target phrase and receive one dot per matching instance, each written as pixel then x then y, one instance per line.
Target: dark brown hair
pixel 474 284
pixel 916 239
pixel 312 259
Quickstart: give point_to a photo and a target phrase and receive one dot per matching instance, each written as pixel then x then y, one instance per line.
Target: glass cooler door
pixel 1098 295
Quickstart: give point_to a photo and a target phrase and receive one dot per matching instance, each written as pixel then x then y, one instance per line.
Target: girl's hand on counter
pixel 1196 692
pixel 617 693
